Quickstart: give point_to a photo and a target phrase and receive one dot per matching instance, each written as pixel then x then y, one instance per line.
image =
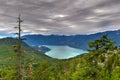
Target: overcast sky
pixel 62 17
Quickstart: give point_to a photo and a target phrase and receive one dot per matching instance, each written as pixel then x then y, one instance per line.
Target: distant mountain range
pixel 76 41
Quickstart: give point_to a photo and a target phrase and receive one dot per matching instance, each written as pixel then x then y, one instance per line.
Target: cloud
pixel 62 17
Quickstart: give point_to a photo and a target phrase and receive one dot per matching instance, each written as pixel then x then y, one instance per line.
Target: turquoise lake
pixel 63 52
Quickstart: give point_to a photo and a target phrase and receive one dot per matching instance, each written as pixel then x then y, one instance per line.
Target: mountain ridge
pixel 76 41
pixel 7 44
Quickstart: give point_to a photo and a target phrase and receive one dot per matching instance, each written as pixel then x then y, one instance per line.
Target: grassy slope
pixel 9 60
pixel 8 56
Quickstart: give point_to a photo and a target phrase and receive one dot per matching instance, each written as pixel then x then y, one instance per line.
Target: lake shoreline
pixel 63 52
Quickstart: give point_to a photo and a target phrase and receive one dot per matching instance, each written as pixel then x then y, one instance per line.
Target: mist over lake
pixel 63 52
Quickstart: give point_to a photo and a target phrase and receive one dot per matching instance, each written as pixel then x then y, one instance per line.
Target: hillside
pixel 7 52
pixel 81 68
pixel 9 60
pixel 76 41
pixel 102 63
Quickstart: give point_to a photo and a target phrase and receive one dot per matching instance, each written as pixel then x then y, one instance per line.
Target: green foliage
pixel 104 44
pixel 101 63
pixel 9 62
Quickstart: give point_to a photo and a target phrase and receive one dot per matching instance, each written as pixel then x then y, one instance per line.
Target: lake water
pixel 63 52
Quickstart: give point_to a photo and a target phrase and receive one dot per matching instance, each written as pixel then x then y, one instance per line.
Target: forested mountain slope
pixel 101 63
pixel 76 41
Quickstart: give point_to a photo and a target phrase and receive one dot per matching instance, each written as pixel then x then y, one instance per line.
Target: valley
pixel 62 62
pixel 59 39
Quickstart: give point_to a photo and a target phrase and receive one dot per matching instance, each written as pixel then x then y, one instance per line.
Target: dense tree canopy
pixel 101 63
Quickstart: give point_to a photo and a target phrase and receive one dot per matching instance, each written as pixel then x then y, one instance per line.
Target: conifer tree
pixel 104 44
pixel 100 47
pixel 18 48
